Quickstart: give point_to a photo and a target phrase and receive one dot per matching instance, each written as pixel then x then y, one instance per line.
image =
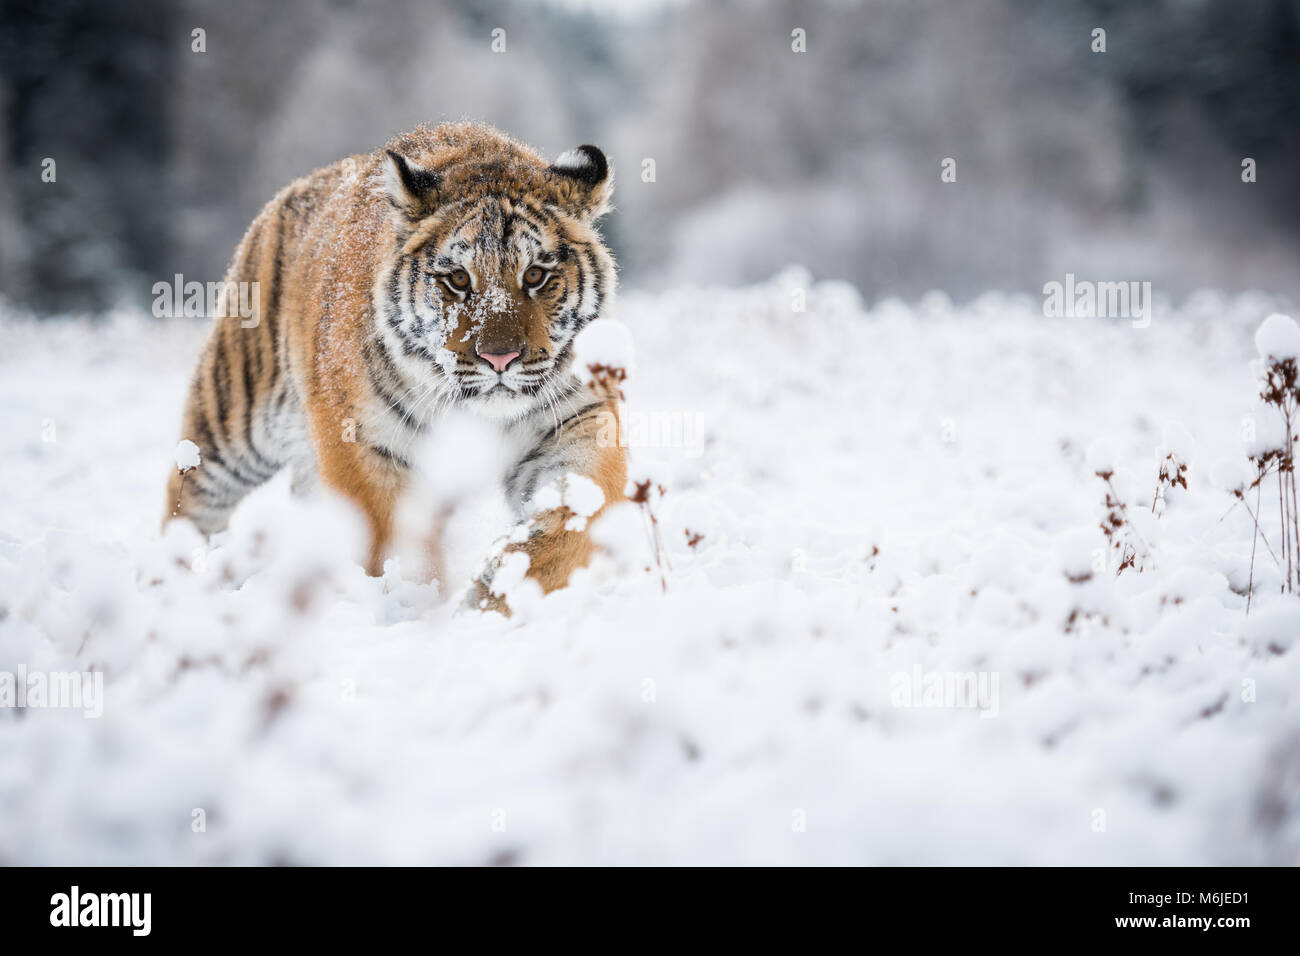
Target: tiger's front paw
pixel 479 597
pixel 504 572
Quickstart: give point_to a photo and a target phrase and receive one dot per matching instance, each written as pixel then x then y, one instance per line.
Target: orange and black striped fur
pixel 384 281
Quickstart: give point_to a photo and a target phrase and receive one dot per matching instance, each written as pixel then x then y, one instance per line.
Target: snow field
pixel 883 502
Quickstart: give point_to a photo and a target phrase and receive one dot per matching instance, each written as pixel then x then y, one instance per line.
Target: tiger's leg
pixel 581 445
pixel 371 477
pixel 235 397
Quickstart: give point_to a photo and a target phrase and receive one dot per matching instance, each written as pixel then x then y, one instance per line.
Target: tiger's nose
pixel 498 360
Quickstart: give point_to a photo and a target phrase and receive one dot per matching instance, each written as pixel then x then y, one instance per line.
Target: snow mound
pixel 1278 337
pixel 187 455
pixel 605 343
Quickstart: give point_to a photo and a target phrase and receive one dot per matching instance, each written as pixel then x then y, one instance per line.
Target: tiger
pixel 452 268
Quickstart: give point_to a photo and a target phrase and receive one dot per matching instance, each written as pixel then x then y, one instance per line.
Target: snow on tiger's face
pixel 499 272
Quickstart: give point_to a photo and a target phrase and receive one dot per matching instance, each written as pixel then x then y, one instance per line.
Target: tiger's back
pixel 243 405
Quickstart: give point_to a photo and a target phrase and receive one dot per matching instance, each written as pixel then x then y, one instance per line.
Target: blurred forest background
pixel 1117 165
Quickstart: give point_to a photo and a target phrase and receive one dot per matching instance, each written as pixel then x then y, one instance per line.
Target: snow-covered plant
pixel 1123 538
pixel 1238 478
pixel 643 496
pixel 603 354
pixel 187 459
pixel 1079 562
pixel 1272 449
pixel 1172 456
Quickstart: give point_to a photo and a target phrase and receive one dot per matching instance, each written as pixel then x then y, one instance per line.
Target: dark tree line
pixel 762 156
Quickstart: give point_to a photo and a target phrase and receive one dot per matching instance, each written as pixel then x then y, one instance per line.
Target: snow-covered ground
pixel 882 500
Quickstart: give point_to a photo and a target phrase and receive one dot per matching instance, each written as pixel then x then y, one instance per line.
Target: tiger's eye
pixel 459 279
pixel 534 276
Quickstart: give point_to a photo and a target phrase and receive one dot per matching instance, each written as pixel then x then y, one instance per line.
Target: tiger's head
pixel 497 264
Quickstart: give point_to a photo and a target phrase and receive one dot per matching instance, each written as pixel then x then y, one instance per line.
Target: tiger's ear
pixel 584 182
pixel 412 189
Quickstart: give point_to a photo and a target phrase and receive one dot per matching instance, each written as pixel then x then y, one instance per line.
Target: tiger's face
pixel 498 269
